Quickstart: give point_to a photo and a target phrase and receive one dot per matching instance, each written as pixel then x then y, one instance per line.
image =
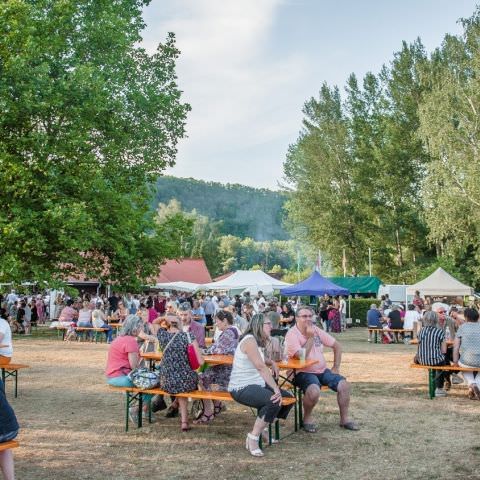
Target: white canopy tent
pixel 442 283
pixel 251 280
pixel 180 286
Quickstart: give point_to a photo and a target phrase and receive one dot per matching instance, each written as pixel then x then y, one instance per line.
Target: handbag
pixel 193 359
pixel 144 378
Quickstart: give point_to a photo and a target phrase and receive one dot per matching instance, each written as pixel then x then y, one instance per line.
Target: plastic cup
pixel 302 355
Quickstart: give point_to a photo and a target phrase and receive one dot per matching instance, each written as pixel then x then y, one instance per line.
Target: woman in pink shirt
pixel 123 357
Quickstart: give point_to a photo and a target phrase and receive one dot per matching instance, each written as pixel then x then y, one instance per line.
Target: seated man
pixel 374 319
pixel 304 335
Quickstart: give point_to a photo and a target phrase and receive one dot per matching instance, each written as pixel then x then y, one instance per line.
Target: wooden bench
pixel 387 330
pixel 8 445
pixel 95 330
pixel 11 370
pixel 431 373
pixel 133 394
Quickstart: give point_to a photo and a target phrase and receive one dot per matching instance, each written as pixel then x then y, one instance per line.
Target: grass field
pixel 72 425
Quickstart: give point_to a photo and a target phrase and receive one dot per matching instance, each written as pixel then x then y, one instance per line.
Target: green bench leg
pixel 376 336
pixel 431 383
pixel 131 397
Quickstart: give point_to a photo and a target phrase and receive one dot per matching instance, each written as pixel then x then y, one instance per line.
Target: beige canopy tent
pixel 441 283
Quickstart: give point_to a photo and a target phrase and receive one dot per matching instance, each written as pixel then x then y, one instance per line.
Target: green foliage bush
pixel 359 308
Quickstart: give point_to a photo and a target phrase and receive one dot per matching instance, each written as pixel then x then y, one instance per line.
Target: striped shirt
pixel 429 346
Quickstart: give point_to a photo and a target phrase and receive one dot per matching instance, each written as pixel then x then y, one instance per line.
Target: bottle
pixel 285 351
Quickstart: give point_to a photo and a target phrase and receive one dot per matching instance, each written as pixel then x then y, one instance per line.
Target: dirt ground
pixel 72 426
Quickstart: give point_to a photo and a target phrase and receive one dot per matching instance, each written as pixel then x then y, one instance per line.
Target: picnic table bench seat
pixel 133 393
pixel 8 445
pixel 431 373
pixel 376 330
pixel 11 370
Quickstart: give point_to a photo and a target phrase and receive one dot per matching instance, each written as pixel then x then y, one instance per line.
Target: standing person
pixel 418 300
pixel 112 303
pixel 8 431
pixel 5 339
pixel 190 325
pixel 432 348
pixel 40 309
pixel 305 338
pixel 343 312
pixel 466 351
pixel 252 383
pixel 209 309
pixel 334 317
pixel 198 313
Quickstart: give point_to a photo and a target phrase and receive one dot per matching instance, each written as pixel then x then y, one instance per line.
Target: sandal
pixel 256 452
pixel 310 427
pixel 218 408
pixel 185 427
pixel 350 426
pixel 204 418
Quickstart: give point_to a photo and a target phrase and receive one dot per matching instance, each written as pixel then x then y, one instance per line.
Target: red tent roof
pixel 187 270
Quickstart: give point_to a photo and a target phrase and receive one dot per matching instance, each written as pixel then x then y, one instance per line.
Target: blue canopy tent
pixel 315 285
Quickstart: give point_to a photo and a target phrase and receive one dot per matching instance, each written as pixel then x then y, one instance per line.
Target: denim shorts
pixel 304 379
pixel 6 437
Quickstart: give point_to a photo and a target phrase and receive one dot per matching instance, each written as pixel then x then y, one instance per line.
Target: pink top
pixel 152 315
pixel 67 314
pixel 117 360
pixel 295 340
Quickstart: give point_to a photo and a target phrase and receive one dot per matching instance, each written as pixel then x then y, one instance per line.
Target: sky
pixel 248 66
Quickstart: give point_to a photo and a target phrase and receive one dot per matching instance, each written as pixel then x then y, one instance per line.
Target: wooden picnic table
pixel 415 342
pixel 291 365
pixel 376 330
pixel 4 346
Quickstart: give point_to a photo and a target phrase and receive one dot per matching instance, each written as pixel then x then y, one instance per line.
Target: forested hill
pixel 244 211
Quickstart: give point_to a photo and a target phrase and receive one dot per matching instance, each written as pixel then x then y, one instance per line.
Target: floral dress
pixel 176 375
pixel 220 374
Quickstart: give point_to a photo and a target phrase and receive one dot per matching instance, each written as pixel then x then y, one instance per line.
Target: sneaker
pixel 440 392
pixel 456 379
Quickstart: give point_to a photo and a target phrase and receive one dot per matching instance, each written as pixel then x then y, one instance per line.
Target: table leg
pixel 376 336
pixel 15 376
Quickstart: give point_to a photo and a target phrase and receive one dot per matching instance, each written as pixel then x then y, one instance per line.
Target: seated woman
pixel 8 431
pixel 68 315
pixel 99 321
pixel 432 348
pixel 218 374
pixel 176 375
pixel 198 313
pixel 85 316
pixel 466 351
pixel 252 383
pixel 121 313
pixel 288 315
pixel 123 357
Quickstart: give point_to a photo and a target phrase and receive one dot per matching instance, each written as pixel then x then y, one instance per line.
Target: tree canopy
pixel 87 119
pixel 392 164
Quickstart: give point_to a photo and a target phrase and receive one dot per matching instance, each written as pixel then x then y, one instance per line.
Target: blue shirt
pixel 374 318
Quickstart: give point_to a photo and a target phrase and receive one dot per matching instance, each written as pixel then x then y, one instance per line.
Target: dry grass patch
pixel 72 425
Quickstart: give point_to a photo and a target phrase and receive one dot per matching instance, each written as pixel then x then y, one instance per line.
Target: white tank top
pixel 244 372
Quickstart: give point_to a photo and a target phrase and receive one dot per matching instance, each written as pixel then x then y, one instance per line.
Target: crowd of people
pixel 446 335
pixel 257 332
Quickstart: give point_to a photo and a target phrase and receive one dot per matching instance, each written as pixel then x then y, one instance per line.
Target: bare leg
pixel 343 400
pixel 183 408
pixel 310 399
pixel 6 464
pixel 257 430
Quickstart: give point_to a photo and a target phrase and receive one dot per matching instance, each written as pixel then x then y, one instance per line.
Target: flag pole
pixel 369 261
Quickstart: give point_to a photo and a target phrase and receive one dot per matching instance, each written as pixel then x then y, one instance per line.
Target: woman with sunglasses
pixel 252 383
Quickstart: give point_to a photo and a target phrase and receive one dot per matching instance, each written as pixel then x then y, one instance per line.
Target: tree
pixel 449 119
pixel 87 118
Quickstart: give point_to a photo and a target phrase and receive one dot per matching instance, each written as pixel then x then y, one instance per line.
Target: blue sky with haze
pixel 247 67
